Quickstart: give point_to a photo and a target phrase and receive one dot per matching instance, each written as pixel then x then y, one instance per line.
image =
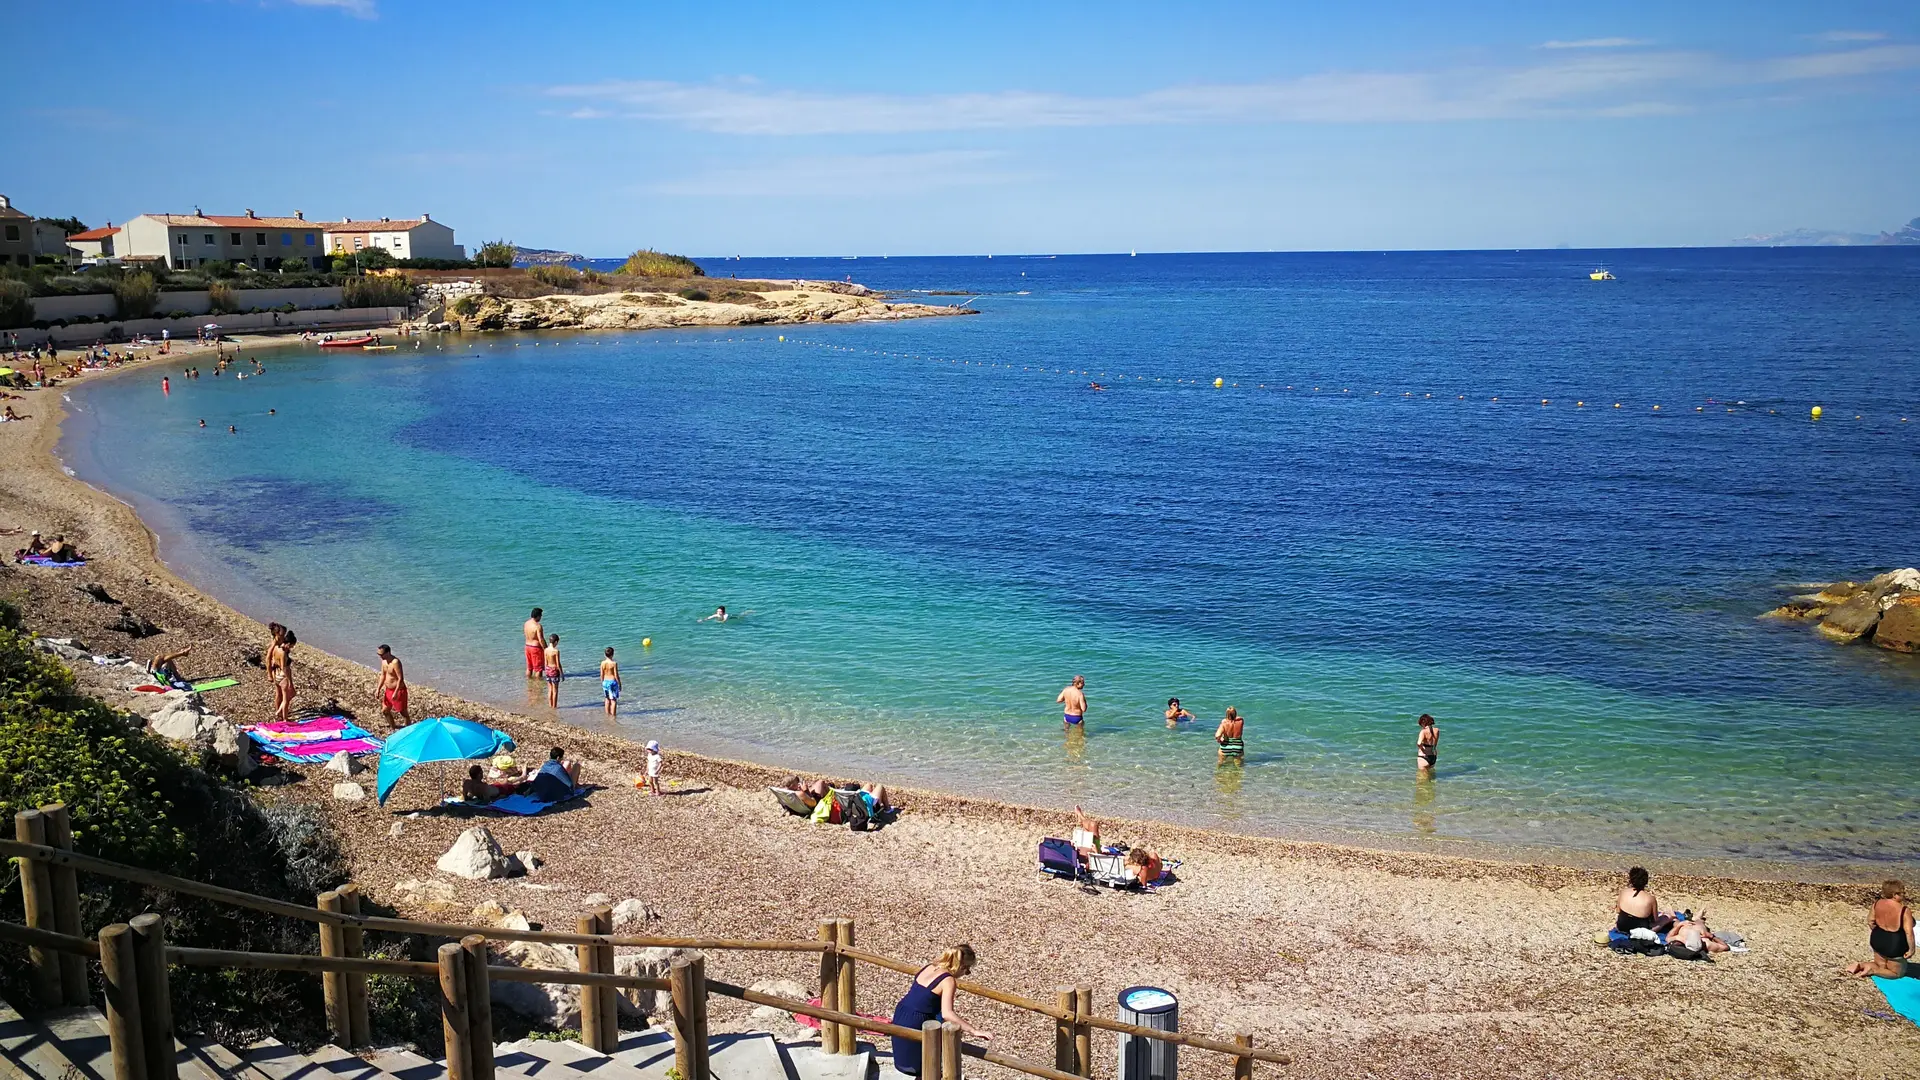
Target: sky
pixel 800 128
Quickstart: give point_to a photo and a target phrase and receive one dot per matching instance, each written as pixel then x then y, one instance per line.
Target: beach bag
pixel 1058 858
pixel 855 812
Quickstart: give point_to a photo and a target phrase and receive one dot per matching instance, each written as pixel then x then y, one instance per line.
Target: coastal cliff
pixel 715 303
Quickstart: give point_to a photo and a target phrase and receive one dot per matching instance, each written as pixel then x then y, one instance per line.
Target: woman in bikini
pixel 1231 736
pixel 279 663
pixel 1636 908
pixel 931 998
pixel 1891 938
pixel 1426 747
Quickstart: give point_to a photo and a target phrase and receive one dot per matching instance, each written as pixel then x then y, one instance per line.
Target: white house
pixel 94 243
pixel 404 238
pixel 186 241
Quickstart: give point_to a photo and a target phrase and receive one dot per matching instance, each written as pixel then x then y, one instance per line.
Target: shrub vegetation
pixel 16 303
pixel 495 253
pixel 376 291
pixel 136 295
pixel 649 263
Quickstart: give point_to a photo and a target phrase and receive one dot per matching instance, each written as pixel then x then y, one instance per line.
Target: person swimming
pixel 719 615
pixel 1175 714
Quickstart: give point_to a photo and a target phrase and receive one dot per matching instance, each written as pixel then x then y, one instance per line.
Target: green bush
pixel 650 263
pixel 693 294
pixel 373 258
pixel 559 277
pixel 377 291
pixel 136 295
pixel 495 253
pixel 466 306
pixel 435 264
pixel 16 303
pixel 221 298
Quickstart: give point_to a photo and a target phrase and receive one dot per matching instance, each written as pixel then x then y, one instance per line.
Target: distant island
pixel 544 257
pixel 1906 234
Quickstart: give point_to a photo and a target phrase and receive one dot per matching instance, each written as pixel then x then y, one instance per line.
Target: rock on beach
pixel 476 856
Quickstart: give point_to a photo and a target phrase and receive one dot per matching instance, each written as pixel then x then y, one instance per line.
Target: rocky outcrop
pixel 1886 609
pixel 179 717
pixel 476 856
pixel 716 303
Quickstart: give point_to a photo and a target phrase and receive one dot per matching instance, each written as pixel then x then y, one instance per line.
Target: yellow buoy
pixel 1656 408
pixel 1217 383
pixel 783 337
pixel 646 643
pixel 1816 412
pixel 1579 404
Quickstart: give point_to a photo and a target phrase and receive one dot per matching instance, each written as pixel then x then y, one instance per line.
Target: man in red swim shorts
pixel 536 641
pixel 393 686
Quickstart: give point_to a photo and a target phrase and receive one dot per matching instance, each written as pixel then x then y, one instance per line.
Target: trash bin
pixel 1143 1058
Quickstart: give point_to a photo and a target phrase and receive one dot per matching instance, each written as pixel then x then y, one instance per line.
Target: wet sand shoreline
pixel 1408 962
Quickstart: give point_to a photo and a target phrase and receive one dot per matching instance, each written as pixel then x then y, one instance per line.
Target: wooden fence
pixel 134 958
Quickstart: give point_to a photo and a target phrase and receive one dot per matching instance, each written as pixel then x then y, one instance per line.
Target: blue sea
pixel 1333 491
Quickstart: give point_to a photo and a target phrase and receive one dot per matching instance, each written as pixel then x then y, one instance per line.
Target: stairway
pixel 71 1044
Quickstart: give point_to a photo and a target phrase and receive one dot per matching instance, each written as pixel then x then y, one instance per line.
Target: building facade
pixel 188 241
pixel 94 243
pixel 16 235
pixel 404 238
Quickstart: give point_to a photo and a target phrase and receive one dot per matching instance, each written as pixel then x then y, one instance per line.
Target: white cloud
pixel 852 175
pixel 1637 82
pixel 1849 35
pixel 359 9
pixel 1595 43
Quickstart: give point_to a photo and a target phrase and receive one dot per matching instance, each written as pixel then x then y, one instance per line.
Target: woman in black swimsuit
pixel 1636 908
pixel 1892 936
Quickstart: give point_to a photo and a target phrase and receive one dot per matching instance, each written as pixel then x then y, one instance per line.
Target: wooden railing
pixel 134 957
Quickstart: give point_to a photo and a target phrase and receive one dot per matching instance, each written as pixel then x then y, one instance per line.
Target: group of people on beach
pixel 542 653
pixel 1230 736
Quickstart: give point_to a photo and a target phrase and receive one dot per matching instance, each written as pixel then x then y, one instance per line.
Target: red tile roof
pixel 94 234
pixel 227 221
pixel 394 225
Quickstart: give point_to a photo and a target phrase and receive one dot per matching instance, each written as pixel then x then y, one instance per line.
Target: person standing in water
pixel 535 638
pixel 610 683
pixel 392 690
pixel 1426 747
pixel 551 669
pixel 1231 736
pixel 1073 702
pixel 1175 714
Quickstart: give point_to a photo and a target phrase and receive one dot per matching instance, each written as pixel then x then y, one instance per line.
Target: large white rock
pixel 785 988
pixel 476 856
pixel 343 763
pixel 632 911
pixel 348 791
pixel 545 1003
pixel 182 721
pixel 648 964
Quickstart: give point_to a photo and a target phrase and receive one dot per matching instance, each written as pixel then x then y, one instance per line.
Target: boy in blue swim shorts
pixel 610 683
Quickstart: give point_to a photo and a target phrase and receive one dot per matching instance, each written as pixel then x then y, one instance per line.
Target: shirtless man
pixel 392 690
pixel 610 683
pixel 535 638
pixel 1073 702
pixel 551 669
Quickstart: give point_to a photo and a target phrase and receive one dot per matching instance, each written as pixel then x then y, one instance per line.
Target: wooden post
pixel 702 1040
pixel 606 998
pixel 950 1050
pixel 479 1006
pixel 119 971
pixel 353 943
pixel 1243 1066
pixel 1083 1031
pixel 687 978
pixel 830 985
pixel 932 1060
pixel 333 984
pixel 456 1012
pixel 1063 1030
pixel 156 1001
pixel 595 1032
pixel 66 904
pixel 843 936
pixel 36 892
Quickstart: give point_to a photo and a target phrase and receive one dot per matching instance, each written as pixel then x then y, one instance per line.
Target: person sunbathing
pixel 35 546
pixel 1145 865
pixel 166 669
pixel 62 552
pixel 504 771
pixel 1086 834
pixel 1891 938
pixel 812 791
pixel 1635 908
pixel 11 415
pixel 475 789
pixel 1696 937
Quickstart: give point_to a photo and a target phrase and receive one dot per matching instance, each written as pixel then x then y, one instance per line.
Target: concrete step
pixel 806 1061
pixel 403 1064
pixel 81 1034
pixel 29 1050
pixel 278 1061
pixel 747 1056
pixel 213 1060
pixel 548 1059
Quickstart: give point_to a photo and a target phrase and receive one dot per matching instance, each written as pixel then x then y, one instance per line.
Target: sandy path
pixel 1358 962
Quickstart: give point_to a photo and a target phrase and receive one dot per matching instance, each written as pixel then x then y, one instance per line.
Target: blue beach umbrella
pixel 439 738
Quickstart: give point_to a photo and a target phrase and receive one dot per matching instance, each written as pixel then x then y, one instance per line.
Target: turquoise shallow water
pixel 933 524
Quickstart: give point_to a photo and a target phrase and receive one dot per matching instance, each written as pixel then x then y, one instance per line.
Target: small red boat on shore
pixel 347 343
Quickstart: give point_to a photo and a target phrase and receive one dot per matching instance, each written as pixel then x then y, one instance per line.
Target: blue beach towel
pixel 527 805
pixel 1902 994
pixel 42 560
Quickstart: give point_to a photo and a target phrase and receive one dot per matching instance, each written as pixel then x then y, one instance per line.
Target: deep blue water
pixel 1412 491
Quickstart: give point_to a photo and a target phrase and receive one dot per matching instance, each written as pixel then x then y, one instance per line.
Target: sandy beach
pixel 1355 961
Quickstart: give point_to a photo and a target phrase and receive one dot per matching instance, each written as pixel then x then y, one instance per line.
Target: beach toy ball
pixel 1217 383
pixel 1816 412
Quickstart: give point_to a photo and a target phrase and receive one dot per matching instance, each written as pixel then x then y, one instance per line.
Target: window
pixel 260 238
pixel 357 244
pixel 309 239
pixel 13 232
pixel 235 241
pixel 210 239
pixel 183 239
pixel 286 239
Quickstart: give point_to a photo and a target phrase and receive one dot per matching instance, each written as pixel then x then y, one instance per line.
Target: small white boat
pixel 1602 274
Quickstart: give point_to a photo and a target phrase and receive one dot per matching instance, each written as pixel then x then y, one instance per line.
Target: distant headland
pixel 1905 234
